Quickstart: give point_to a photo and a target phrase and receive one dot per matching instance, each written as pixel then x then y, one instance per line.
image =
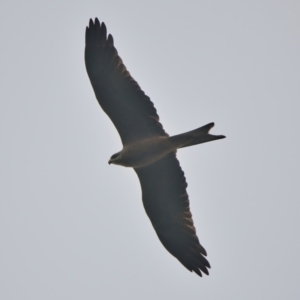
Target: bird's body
pixel 147 148
pixel 144 152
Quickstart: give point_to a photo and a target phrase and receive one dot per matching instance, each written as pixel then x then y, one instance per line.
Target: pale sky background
pixel 73 227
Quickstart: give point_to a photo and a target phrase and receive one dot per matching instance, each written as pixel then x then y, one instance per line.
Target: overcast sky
pixel 73 227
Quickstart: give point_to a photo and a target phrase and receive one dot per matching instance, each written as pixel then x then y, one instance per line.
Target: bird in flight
pixel 147 148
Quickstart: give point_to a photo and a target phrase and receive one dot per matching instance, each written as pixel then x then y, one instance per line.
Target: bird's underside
pixel 147 148
pixel 147 151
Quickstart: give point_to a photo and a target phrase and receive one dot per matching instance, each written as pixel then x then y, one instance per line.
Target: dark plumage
pixel 162 180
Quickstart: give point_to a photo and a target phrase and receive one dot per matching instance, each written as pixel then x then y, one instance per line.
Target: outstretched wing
pixel 166 203
pixel 117 92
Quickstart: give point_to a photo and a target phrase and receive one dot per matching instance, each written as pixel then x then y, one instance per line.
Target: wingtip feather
pixel 110 40
pixel 198 272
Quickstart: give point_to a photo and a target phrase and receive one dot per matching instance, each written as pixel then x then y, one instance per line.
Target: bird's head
pixel 115 159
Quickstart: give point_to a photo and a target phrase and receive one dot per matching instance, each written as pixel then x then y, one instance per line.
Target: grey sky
pixel 73 227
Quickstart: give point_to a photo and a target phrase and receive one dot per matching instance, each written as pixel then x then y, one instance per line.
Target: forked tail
pixel 194 137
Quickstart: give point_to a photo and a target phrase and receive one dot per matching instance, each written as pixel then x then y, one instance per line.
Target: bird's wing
pixel 117 92
pixel 166 202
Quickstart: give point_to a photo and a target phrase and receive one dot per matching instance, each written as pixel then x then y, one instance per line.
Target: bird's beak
pixel 109 162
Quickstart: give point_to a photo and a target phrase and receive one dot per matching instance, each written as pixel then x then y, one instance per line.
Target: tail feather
pixel 194 137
